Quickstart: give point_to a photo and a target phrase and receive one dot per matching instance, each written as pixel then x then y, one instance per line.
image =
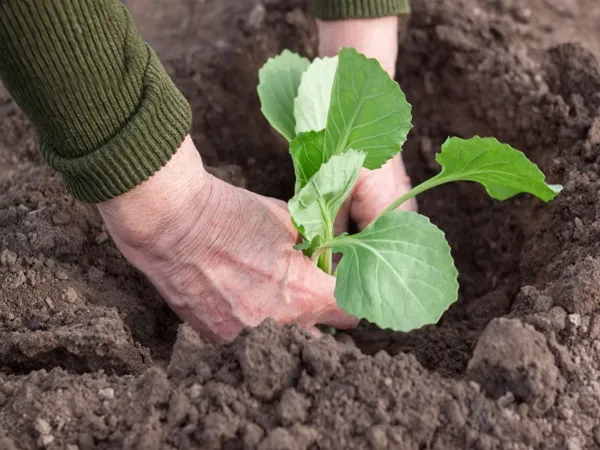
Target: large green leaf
pixel 368 111
pixel 397 272
pixel 307 153
pixel 279 80
pixel 502 170
pixel 314 208
pixel 314 95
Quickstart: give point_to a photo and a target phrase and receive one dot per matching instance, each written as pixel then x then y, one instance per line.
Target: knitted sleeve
pixel 106 113
pixel 357 9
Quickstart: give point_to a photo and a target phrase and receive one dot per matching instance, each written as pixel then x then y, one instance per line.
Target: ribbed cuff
pixel 357 9
pixel 144 144
pixel 106 113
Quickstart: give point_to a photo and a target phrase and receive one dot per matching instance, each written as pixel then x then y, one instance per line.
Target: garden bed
pixel 91 357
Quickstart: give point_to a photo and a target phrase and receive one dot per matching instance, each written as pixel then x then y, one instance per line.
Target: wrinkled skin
pixel 223 257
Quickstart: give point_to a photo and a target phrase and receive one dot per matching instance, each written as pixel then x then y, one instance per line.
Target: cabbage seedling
pixel 343 113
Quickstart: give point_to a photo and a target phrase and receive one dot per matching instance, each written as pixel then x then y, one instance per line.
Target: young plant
pixel 344 113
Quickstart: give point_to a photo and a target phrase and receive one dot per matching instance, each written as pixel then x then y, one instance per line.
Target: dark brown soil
pixel 91 358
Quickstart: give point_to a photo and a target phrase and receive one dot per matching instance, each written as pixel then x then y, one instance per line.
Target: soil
pixel 91 358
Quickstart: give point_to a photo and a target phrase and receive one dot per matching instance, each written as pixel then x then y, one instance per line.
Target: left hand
pixel 375 190
pixel 221 257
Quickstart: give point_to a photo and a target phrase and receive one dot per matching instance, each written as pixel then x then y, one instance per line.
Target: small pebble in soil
pixel 71 295
pixel 106 393
pixel 507 399
pixel 101 238
pixel 62 275
pixel 46 440
pixel 377 437
pixel 42 426
pixel 195 390
pixel 574 320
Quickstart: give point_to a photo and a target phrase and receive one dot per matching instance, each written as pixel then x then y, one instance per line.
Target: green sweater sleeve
pixel 357 9
pixel 106 113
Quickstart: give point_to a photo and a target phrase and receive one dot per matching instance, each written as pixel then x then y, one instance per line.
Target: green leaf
pixel 307 153
pixel 368 111
pixel 302 246
pixel 502 170
pixel 398 272
pixel 314 95
pixel 309 247
pixel 314 208
pixel 279 80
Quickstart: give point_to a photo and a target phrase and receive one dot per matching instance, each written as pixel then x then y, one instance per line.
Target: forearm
pixel 106 113
pixel 376 38
pixel 371 26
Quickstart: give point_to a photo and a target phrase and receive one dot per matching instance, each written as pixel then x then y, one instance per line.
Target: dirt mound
pixel 90 357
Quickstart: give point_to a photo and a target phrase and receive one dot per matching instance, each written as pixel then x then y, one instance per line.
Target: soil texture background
pixel 91 358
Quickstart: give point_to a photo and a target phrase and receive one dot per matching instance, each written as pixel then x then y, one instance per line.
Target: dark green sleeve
pixel 357 9
pixel 106 113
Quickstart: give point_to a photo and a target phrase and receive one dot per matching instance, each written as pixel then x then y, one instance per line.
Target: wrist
pixel 376 38
pixel 148 213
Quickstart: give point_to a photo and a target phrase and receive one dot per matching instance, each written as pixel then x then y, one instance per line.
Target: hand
pixel 222 257
pixel 375 190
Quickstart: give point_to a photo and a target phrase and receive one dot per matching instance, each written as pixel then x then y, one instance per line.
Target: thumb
pixel 370 198
pixel 324 307
pixel 336 317
pixel 377 189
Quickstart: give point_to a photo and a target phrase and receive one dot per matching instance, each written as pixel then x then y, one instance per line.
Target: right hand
pixel 222 257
